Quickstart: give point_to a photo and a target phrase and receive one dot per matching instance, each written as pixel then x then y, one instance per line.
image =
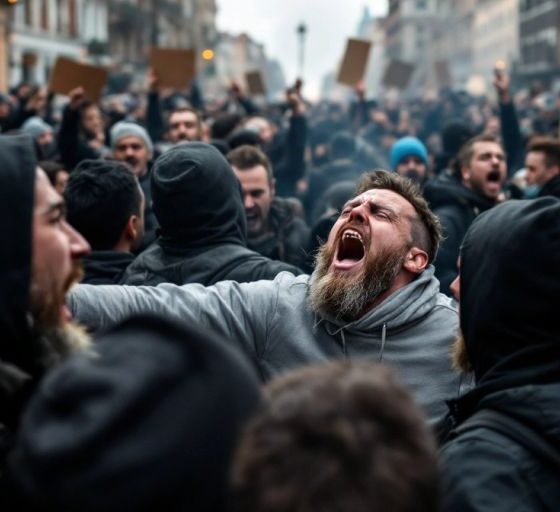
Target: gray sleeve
pixel 237 312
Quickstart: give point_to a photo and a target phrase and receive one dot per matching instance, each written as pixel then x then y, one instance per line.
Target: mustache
pixel 75 276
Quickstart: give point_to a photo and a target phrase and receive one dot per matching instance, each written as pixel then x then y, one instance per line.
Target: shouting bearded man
pixel 373 296
pixel 39 252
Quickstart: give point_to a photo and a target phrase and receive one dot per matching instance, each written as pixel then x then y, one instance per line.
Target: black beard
pixel 347 298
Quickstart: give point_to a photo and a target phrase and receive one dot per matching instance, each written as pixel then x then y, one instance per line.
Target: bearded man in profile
pixel 39 254
pixel 373 295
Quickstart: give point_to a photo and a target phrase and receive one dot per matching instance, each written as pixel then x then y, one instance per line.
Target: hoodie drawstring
pixel 383 338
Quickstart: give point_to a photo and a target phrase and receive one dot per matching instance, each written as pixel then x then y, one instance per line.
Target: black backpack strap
pixel 515 430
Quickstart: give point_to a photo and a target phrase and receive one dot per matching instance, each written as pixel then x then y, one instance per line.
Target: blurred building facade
pixel 235 55
pixel 539 32
pixel 42 30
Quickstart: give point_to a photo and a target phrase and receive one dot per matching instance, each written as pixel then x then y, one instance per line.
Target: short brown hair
pixel 549 146
pixel 246 157
pixel 467 150
pixel 426 229
pixel 342 436
pixel 180 110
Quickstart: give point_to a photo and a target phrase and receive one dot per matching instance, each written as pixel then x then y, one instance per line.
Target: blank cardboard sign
pixel 442 73
pixel 255 83
pixel 174 67
pixel 68 74
pixel 398 74
pixel 354 63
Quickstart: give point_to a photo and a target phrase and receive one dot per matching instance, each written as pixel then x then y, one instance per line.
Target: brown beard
pixel 53 338
pixel 347 298
pixel 459 356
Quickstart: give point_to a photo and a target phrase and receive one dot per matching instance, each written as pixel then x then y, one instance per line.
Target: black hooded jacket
pixel 197 201
pixel 106 267
pixel 149 422
pixel 510 287
pixel 22 359
pixel 456 207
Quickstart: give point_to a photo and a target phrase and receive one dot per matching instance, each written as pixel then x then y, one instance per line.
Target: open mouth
pixel 351 250
pixel 494 177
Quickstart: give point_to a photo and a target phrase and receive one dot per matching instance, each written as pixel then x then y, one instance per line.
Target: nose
pixel 358 214
pixel 248 201
pixel 79 246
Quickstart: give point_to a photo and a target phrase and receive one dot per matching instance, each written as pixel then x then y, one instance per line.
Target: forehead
pixel 384 197
pixel 45 194
pixel 253 177
pixel 486 147
pixel 183 117
pixel 535 157
pixel 130 140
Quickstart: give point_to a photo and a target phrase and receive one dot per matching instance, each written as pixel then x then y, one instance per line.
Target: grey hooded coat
pixel 271 321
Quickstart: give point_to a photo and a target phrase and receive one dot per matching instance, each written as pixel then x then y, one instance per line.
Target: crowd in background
pixel 225 219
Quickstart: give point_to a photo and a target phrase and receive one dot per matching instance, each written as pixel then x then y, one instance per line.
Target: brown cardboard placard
pixel 398 74
pixel 353 66
pixel 255 83
pixel 174 67
pixel 443 75
pixel 68 74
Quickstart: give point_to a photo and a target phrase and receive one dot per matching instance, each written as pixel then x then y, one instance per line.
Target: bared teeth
pixel 350 233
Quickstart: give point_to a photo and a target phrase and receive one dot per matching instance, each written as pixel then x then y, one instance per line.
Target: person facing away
pixel 148 421
pixel 202 238
pixel 39 254
pixel 373 295
pixel 481 167
pixel 339 436
pixel 508 287
pixel 105 204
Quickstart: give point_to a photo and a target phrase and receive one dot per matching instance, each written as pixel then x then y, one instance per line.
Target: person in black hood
pixel 105 203
pixel 149 423
pixel 508 288
pixel 202 239
pixel 481 172
pixel 38 252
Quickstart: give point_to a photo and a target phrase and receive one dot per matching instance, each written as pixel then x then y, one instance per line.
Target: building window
pixel 45 14
pixel 72 18
pixel 28 13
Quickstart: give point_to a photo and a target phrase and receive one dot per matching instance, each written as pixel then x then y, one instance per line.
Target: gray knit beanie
pixel 35 127
pixel 128 129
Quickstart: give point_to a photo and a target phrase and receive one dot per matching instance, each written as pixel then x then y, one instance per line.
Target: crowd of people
pixel 232 305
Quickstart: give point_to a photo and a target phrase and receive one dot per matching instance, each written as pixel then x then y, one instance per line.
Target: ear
pixel 131 229
pixel 465 174
pixel 273 187
pixel 416 260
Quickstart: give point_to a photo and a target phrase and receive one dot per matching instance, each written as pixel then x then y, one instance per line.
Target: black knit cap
pixel 148 422
pixel 197 197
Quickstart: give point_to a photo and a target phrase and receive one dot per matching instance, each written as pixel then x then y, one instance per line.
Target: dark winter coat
pixel 288 235
pixel 456 207
pixel 23 358
pixel 509 293
pixel 551 188
pixel 197 201
pixel 105 267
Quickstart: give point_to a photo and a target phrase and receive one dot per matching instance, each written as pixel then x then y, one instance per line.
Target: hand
pixel 294 101
pixel 501 83
pixel 360 89
pixel 152 80
pixel 77 98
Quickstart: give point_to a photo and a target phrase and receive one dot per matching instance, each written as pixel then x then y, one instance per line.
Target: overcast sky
pixel 274 22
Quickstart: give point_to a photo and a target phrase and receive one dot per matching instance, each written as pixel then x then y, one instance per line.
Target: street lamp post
pixel 301 31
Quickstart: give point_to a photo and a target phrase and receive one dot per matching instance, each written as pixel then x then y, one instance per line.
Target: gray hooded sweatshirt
pixel 271 321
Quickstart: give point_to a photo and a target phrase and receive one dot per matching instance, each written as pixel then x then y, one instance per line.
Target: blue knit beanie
pixel 405 147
